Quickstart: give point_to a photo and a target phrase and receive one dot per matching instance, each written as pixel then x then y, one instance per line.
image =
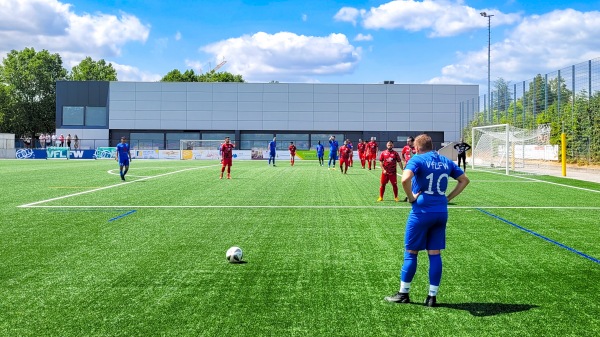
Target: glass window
pixel 72 115
pixel 324 138
pixel 173 138
pixel 251 141
pixel 95 116
pixel 218 135
pixel 299 139
pixel 147 141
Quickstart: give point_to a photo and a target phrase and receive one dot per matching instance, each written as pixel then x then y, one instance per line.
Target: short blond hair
pixel 424 143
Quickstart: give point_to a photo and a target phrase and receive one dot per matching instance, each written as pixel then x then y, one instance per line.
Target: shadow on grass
pixel 488 309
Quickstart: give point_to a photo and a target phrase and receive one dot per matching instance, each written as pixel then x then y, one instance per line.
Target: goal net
pixel 507 148
pixel 200 149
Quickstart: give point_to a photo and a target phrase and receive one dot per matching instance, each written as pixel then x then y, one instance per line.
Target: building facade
pixel 158 115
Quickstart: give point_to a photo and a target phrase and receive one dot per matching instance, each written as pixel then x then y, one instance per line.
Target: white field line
pixel 547 182
pixel 303 206
pixel 33 204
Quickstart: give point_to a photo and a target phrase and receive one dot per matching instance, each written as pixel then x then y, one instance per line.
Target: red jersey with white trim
pixel 390 161
pixel 292 149
pixel 362 147
pixel 345 152
pixel 227 150
pixel 372 148
pixel 408 152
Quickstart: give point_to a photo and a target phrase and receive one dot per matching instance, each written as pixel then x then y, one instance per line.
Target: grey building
pixel 157 115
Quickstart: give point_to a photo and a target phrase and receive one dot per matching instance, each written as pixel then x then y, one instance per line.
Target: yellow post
pixel 563 140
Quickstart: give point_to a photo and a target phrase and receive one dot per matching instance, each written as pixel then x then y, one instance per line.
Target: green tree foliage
pixel 90 70
pixel 550 101
pixel 30 79
pixel 211 76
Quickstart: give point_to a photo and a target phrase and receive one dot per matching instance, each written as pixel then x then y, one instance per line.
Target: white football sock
pixel 433 290
pixel 404 287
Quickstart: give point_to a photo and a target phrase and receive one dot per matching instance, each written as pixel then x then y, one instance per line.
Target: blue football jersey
pixel 432 172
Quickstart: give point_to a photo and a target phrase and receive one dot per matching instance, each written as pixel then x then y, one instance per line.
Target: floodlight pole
pixel 489 17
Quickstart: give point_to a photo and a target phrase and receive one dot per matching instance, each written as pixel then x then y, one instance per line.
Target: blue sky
pixel 311 41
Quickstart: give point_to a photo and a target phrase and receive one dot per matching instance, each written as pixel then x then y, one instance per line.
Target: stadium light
pixel 489 17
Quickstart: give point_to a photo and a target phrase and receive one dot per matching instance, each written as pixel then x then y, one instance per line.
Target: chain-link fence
pixel 567 99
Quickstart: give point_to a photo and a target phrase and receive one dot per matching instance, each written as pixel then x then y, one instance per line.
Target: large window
pixel 72 115
pixel 147 141
pixel 218 135
pixel 299 139
pixel 251 141
pixel 324 138
pixel 95 116
pixel 173 138
pixel 84 116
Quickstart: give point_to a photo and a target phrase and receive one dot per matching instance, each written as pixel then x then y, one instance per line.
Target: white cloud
pixel 54 26
pixel 440 17
pixel 194 64
pixel 286 56
pixel 304 17
pixel 133 74
pixel 361 37
pixel 348 14
pixel 177 36
pixel 539 44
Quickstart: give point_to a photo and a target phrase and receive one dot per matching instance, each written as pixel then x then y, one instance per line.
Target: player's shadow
pixel 488 309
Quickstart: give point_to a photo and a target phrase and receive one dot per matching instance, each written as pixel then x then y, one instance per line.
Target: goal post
pixel 200 149
pixel 506 148
pixel 490 146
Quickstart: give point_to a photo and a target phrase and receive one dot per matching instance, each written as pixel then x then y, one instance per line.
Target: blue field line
pixel 122 216
pixel 541 236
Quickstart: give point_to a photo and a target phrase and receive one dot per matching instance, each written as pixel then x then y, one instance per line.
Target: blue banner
pixel 54 154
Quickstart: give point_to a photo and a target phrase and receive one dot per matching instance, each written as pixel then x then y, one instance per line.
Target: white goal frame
pixel 506 147
pixel 200 149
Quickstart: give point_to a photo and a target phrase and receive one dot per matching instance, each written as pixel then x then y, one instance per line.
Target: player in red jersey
pixel 226 157
pixel 349 145
pixel 362 148
pixel 372 152
pixel 345 153
pixel 409 149
pixel 389 160
pixel 292 149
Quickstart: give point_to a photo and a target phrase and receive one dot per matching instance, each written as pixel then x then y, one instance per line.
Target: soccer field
pixel 84 254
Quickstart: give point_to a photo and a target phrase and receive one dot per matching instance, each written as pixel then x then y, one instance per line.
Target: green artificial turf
pixel 83 254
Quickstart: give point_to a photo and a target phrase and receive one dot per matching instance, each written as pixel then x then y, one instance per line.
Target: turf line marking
pixel 122 215
pixel 547 182
pixel 111 186
pixel 120 207
pixel 541 236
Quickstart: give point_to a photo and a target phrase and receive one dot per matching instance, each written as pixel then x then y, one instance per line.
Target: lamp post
pixel 489 17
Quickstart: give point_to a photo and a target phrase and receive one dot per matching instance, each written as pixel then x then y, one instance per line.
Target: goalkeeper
pixel 462 149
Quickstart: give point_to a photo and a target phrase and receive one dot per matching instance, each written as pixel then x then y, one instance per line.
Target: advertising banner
pixel 105 153
pixel 57 153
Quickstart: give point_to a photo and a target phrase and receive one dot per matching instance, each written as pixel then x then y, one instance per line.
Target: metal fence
pixel 568 99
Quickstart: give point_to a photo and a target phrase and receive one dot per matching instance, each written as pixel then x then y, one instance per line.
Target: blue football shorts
pixel 425 231
pixel 124 162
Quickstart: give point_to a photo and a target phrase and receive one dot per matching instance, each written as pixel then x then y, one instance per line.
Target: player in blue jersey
pixel 320 151
pixel 425 180
pixel 333 152
pixel 123 157
pixel 272 150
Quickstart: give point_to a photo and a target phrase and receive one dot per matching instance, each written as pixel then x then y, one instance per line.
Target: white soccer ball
pixel 234 255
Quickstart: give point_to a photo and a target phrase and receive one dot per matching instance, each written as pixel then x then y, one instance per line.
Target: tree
pixel 90 70
pixel 30 79
pixel 176 76
pixel 212 76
